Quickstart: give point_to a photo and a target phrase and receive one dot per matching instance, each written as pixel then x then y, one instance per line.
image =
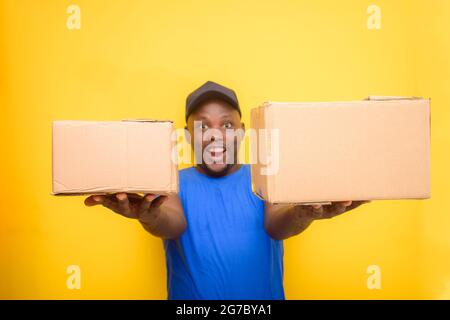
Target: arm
pixel 166 220
pixel 162 216
pixel 282 221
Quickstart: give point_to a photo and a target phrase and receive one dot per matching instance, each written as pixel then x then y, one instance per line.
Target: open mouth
pixel 216 153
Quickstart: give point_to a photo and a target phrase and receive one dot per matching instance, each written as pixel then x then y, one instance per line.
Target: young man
pixel 221 241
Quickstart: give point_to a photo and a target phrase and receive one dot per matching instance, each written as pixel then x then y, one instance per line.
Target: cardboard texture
pixel 377 148
pixel 113 156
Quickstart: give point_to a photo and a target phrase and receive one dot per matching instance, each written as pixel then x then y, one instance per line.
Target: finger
pixel 110 202
pixel 123 203
pixel 339 205
pixel 146 202
pixel 93 200
pixel 316 211
pixel 159 201
pixel 334 209
pixel 356 204
pixel 346 203
pixel 133 196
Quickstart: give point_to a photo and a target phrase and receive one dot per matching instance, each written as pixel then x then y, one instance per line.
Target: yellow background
pixel 140 59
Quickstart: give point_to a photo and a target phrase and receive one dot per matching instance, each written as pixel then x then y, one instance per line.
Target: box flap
pixel 385 98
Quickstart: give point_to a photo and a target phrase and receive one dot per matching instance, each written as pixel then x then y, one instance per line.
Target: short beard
pixel 216 174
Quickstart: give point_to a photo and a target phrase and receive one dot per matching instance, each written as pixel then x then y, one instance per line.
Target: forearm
pixel 164 222
pixel 287 221
pixel 284 222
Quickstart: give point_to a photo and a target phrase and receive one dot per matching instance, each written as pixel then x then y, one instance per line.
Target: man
pixel 221 241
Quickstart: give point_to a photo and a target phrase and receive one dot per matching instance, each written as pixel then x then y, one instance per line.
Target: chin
pixel 217 170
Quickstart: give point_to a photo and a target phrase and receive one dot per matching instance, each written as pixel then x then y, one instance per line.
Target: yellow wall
pixel 141 59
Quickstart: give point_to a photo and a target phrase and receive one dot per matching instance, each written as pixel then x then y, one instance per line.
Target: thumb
pixel 93 200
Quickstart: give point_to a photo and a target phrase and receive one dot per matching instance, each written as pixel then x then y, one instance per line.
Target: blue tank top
pixel 225 252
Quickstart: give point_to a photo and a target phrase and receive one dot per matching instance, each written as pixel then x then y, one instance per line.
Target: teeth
pixel 220 149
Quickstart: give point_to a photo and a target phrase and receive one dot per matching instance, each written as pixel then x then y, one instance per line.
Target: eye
pixel 201 125
pixel 228 125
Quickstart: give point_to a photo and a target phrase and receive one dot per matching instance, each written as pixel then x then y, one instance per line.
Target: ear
pixel 243 126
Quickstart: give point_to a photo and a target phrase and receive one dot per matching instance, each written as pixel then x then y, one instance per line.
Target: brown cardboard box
pixel 113 156
pixel 378 148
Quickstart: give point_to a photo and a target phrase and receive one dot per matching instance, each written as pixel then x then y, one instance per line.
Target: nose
pixel 214 134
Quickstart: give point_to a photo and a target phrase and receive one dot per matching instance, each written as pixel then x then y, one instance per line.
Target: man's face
pixel 210 126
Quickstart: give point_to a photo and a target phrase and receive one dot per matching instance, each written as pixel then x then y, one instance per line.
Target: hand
pixel 318 211
pixel 130 205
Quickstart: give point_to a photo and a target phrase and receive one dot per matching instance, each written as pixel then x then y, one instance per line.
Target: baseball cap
pixel 211 90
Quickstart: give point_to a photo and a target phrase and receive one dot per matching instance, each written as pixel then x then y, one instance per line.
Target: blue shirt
pixel 225 252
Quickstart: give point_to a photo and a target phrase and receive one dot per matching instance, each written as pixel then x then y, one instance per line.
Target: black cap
pixel 211 90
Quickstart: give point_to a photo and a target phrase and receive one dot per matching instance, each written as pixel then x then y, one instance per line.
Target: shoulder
pixel 244 172
pixel 188 177
pixel 246 168
pixel 189 183
pixel 187 172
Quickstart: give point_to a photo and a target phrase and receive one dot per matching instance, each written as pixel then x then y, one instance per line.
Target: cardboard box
pixel 113 156
pixel 378 148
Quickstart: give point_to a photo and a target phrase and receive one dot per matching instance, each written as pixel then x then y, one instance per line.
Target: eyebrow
pixel 224 116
